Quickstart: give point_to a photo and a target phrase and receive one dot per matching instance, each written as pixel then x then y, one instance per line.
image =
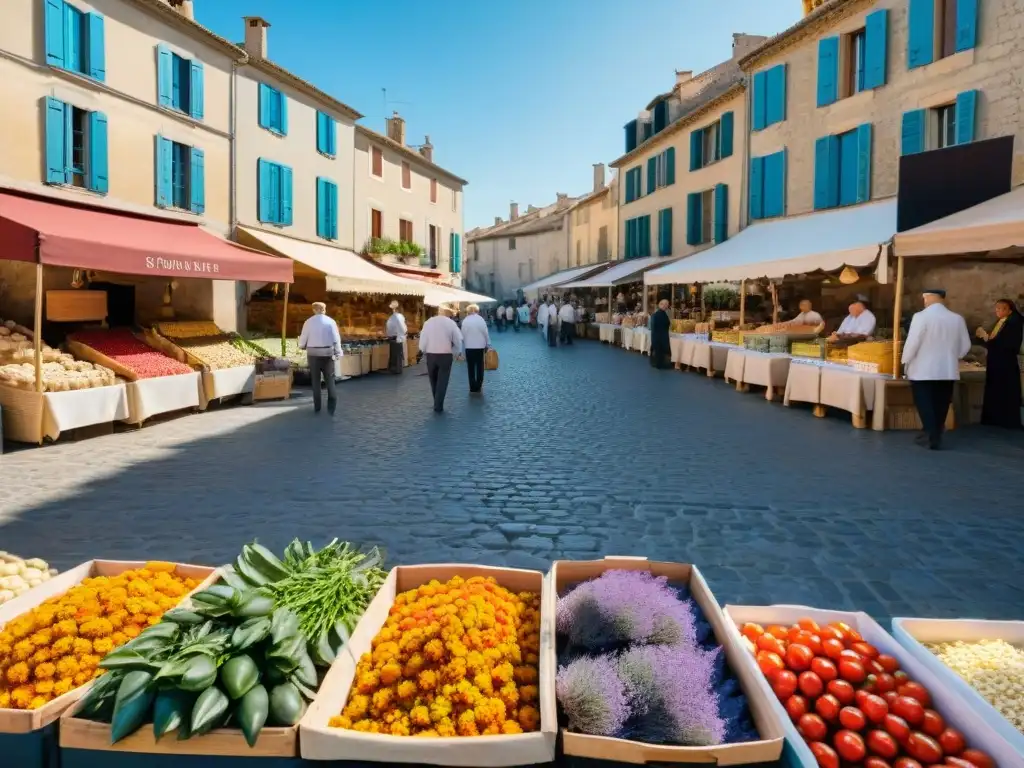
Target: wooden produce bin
pixel 379 354
pixel 350 365
pixel 567 573
pixel 273 386
pixel 412 349
pixel 365 360
pixel 318 741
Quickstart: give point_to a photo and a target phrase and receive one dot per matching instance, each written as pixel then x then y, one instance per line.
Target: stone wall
pixel 972 286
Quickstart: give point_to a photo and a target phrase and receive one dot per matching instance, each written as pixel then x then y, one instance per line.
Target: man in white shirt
pixel 567 319
pixel 396 330
pixel 859 325
pixel 808 316
pixel 542 319
pixel 322 342
pixel 938 339
pixel 476 340
pixel 440 342
pixel 524 314
pixel 510 317
pixel 552 312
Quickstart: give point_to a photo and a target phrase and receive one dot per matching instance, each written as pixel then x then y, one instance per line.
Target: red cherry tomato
pixel 824 754
pixel 799 657
pixel 959 762
pixel 842 690
pixel 853 671
pixel 796 633
pixel 909 709
pixel 923 748
pixel 824 668
pixel 872 666
pixel 851 718
pixel 850 746
pixel 812 727
pixel 874 707
pixel 933 724
pixel 832 633
pixel 890 697
pixel 865 649
pixel 784 684
pixel 828 707
pixel 901 676
pixel 896 727
pixel 977 757
pixel 952 742
pixel 875 762
pixel 885 682
pixel 811 685
pixel 832 647
pixel 882 744
pixel 915 691
pixel 851 655
pixel 870 684
pixel 889 663
pixel 769 663
pixel 810 625
pixel 796 707
pixel 770 643
pixel 776 630
pixel 752 631
pixel 906 762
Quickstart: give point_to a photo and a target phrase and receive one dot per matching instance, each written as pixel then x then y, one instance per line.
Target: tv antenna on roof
pixel 384 95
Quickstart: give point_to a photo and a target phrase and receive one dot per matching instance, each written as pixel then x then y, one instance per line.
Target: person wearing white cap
pixel 440 343
pixel 859 325
pixel 396 331
pixel 938 339
pixel 322 342
pixel 476 340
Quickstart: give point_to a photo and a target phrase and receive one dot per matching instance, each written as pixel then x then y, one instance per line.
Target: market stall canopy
pixel 343 270
pixel 995 225
pixel 576 273
pixel 822 241
pixel 102 240
pixel 437 295
pixel 620 273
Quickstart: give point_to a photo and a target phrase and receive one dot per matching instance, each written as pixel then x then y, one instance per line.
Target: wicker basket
pixel 902 417
pixel 22 414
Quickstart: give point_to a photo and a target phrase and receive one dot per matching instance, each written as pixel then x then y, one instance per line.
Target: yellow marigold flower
pixel 510 727
pixel 399 729
pixel 62 646
pixel 368 682
pixel 117 618
pixel 66 627
pixel 427 680
pixel 44 687
pixel 390 673
pixel 357 707
pixel 23 650
pixel 467 724
pixel 509 694
pixel 339 721
pixel 89 662
pixel 42 638
pixel 40 656
pixel 434 650
pixel 503 673
pixel 440 708
pixel 445 728
pixel 96 628
pixel 160 566
pixel 139 588
pixel 483 682
pixel 103 645
pixel 44 671
pixel 420 716
pixel 528 692
pixel 529 718
pixel 381 700
pixel 22 696
pixel 119 639
pixel 17 673
pixel 413 666
pixel 362 725
pixel 5 699
pixel 82 678
pixel 132 630
pixel 38 702
pixel 406 689
pixel 62 686
pixel 82 646
pixel 525 675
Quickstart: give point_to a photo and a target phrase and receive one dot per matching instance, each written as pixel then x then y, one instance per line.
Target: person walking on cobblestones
pixel 510 317
pixel 567 322
pixel 661 349
pixel 552 327
pixel 322 342
pixel 396 330
pixel 440 343
pixel 476 340
pixel 524 315
pixel 542 319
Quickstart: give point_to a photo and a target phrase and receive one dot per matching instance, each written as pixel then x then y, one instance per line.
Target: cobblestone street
pixel 573 452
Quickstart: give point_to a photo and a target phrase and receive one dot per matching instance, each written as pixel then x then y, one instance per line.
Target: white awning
pixel 437 295
pixel 621 273
pixel 344 271
pixel 576 273
pixel 828 240
pixel 994 225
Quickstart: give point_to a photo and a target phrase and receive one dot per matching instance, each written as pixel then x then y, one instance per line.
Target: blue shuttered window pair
pixel 274 192
pixel 273 109
pixel 696 216
pixel 633 184
pixel 180 176
pixel 712 142
pixel 914 130
pixel 326 209
pixel 922 35
pixel 665 232
pixel 179 83
pixel 768 186
pixel 630 129
pixel 76 147
pixel 455 249
pixel 326 135
pixel 74 40
pixel 661 171
pixel 867 60
pixel 638 237
pixel 769 97
pixel 842 168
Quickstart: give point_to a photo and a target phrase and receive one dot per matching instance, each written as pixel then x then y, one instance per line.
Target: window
pixel 273 110
pixel 579 249
pixel 511 243
pixel 631 136
pixel 377 162
pixel 707 221
pixel 326 134
pixel 326 209
pixel 405 230
pixel 180 176
pixel 939 28
pixel 433 190
pixel 854 80
pixel 455 252
pixel 275 193
pixel 476 252
pixel 179 83
pixel 74 39
pixel 638 237
pixel 712 151
pixel 855 62
pixel 769 97
pixel 633 184
pixel 76 146
pixel 768 186
pixel 406 176
pixel 711 143
pixel 947 27
pixel 376 224
pixel 602 244
pixel 942 127
pixel 181 76
pixel 945 123
pixel 707 216
pixel 842 168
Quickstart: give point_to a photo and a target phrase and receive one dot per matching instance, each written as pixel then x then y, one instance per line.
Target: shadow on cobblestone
pixel 574 453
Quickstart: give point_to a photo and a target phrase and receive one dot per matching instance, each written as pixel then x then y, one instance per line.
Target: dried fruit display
pixel 208 344
pixel 121 346
pixel 18 576
pixel 63 375
pixel 994 668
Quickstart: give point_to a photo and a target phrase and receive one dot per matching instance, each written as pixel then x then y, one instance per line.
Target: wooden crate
pixel 76 306
pixel 379 357
pixel 273 386
pixel 412 349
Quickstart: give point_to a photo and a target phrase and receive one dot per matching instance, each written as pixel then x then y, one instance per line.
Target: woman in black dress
pixel 1001 407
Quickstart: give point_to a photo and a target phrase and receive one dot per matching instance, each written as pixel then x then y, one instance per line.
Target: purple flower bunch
pixel 625 607
pixel 592 695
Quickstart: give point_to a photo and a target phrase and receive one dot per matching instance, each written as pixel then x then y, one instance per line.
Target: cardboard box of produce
pixel 318 741
pixel 568 573
pixel 26 721
pixel 957 713
pixel 272 386
pixel 913 633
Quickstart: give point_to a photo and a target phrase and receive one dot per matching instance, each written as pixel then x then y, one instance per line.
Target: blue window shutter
pixel 824 178
pixel 332 137
pixel 760 117
pixel 849 161
pixel 332 224
pixel 629 230
pixel 721 213
pixel 876 39
pixel 648 129
pixel 646 235
pixel 828 71
pixel 54 23
pixel 163 75
pixel 966 24
pixel 966 110
pixel 693 218
pixel 912 133
pixel 775 95
pixel 696 150
pixel 56 142
pixel 652 174
pixel 197 181
pixel 665 232
pixel 286 195
pixel 921 33
pixel 264 191
pixel 775 185
pixel 864 163
pixel 98 180
pixel 726 128
pixel 321 207
pixel 630 130
pixel 97 67
pixel 629 186
pixel 264 104
pixel 196 96
pixel 164 161
pixel 321 133
pixel 660 116
pixel 283 100
pixel 758 189
pixel 670 166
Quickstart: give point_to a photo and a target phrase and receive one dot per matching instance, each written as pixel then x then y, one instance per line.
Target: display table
pixel 226 382
pixel 608 331
pixel 641 341
pixel 681 345
pixel 712 356
pixel 803 385
pixel 838 386
pixel 762 369
pixel 31 416
pixel 149 397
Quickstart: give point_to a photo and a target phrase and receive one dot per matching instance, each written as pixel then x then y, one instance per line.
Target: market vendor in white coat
pixel 936 343
pixel 396 331
pixel 859 325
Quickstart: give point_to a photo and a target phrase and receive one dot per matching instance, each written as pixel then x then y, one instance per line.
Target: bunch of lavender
pixel 592 695
pixel 625 607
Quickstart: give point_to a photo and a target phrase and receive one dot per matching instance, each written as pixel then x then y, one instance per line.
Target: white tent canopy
pixel 563 277
pixel 827 240
pixel 437 295
pixel 343 270
pixel 995 225
pixel 619 274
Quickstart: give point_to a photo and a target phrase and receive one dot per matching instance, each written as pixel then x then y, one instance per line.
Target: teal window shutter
pixel 912 133
pixel 197 181
pixel 283 101
pixel 665 232
pixel 164 75
pixel 164 163
pixel 670 166
pixel 97 59
pixel 721 213
pixel 630 135
pixel 759 120
pixel 726 128
pixel 758 188
pixel 775 95
pixel 696 150
pixel 197 97
pixel 849 159
pixel 921 33
pixel 53 20
pixel 775 185
pixel 693 218
pixel 321 132
pixel 56 142
pixel 286 195
pixel 321 207
pixel 629 231
pixel 828 71
pixel 876 39
pixel 863 133
pixel 826 176
pixel 264 104
pixel 966 109
pixel 629 186
pixel 332 224
pixel 263 190
pixel 332 141
pixel 966 24
pixel 98 180
pixel 646 231
pixel 652 174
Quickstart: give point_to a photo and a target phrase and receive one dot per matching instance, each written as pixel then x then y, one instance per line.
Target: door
pixel 433 246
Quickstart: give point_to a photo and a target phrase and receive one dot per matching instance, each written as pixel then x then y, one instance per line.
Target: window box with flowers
pixel 386 249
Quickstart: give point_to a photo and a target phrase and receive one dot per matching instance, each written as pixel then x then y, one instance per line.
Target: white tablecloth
pixel 803 384
pixel 83 408
pixel 682 348
pixel 606 331
pixel 710 355
pixel 834 385
pixel 148 397
pixel 642 340
pixel 734 361
pixel 229 381
pixel 627 338
pixel 763 369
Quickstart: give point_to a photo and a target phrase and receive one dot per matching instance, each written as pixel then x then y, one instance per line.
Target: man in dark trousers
pixel 440 343
pixel 661 351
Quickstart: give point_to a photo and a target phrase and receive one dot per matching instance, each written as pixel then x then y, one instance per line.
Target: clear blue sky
pixel 520 98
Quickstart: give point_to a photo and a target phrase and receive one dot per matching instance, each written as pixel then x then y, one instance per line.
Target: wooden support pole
pixel 284 322
pixel 37 330
pixel 897 311
pixel 743 302
pixel 775 304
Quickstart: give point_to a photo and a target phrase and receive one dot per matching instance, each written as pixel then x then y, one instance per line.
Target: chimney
pixel 561 196
pixel 256 36
pixel 742 44
pixel 598 176
pixel 184 7
pixel 427 150
pixel 513 211
pixel 498 220
pixel 396 128
pixel 683 76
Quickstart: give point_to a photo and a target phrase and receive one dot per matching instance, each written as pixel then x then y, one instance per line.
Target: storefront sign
pixel 158 263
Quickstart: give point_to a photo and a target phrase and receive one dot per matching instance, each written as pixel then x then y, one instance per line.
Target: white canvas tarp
pixel 619 274
pixel 437 295
pixel 564 276
pixel 994 225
